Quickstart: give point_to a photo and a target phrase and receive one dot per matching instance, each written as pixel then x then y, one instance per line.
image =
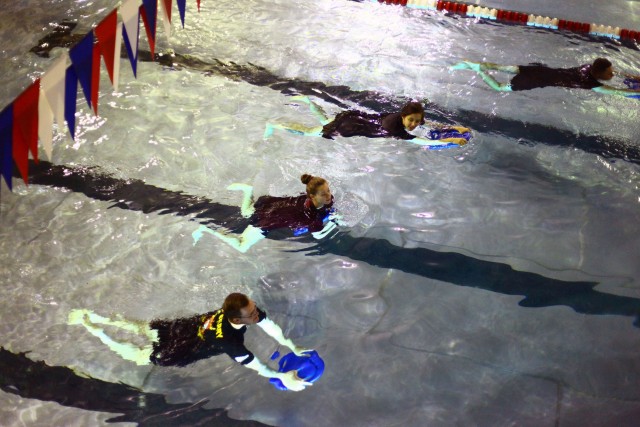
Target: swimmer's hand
pixel 461 129
pixel 329 226
pixel 459 141
pixel 299 351
pixel 337 218
pixel 292 382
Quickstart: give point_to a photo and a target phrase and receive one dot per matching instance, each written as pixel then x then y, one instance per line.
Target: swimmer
pixel 183 341
pixel 534 76
pixel 310 212
pixel 358 123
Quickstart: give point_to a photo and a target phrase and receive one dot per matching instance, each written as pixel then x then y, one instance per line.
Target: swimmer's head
pixel 240 310
pixel 412 115
pixel 602 69
pixel 317 190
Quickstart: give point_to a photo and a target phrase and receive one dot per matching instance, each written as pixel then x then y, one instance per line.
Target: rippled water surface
pixel 494 284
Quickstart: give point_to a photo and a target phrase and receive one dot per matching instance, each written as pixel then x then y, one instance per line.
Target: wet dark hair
pixel 312 183
pixel 413 108
pixel 233 303
pixel 599 66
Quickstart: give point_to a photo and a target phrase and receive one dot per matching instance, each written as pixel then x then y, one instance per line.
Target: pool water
pixel 492 284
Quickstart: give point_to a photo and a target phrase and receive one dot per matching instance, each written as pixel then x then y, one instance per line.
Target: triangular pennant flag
pixel 106 33
pixel 182 5
pixel 198 1
pixel 6 143
pixel 45 123
pixel 166 14
pixel 25 128
pixel 149 12
pixel 70 100
pixel 82 60
pixel 131 30
pixel 52 84
pixel 166 7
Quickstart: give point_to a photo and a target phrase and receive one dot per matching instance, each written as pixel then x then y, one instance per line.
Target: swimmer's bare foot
pixel 460 66
pixel 301 98
pixel 467 65
pixel 268 131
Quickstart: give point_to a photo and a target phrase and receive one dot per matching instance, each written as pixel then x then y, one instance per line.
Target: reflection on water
pixel 492 285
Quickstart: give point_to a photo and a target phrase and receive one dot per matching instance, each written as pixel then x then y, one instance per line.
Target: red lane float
pixel 520 18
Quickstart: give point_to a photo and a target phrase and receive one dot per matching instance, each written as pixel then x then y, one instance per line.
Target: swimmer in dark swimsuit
pixel 357 123
pixel 533 76
pixel 183 341
pixel 311 212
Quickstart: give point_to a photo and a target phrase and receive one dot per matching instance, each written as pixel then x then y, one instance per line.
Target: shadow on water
pixel 36 380
pixel 449 267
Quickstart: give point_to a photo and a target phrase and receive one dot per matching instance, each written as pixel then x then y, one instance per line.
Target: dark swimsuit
pixel 356 123
pixel 296 213
pixel 187 340
pixel 537 75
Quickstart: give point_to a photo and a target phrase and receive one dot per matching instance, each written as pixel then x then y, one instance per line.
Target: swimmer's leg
pixel 317 110
pixel 481 67
pixel 249 237
pixel 493 83
pixel 511 69
pixel 246 209
pixel 294 128
pixel 127 351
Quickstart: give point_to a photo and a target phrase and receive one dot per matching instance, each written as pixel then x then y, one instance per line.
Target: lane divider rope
pixel 513 17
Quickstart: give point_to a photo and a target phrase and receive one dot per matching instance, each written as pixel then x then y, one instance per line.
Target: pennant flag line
pixel 54 96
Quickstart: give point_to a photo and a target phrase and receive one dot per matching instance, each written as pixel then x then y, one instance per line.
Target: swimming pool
pixel 496 284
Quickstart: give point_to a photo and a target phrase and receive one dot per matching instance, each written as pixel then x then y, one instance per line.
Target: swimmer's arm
pixel 629 76
pixel 610 90
pixel 289 379
pixel 459 141
pixel 438 126
pixel 275 332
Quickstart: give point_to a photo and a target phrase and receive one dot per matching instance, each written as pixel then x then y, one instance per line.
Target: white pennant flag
pixel 131 21
pixel 116 58
pixel 45 124
pixel 165 15
pixel 52 86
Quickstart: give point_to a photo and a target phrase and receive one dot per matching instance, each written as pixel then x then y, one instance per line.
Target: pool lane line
pixel 519 18
pixel 448 267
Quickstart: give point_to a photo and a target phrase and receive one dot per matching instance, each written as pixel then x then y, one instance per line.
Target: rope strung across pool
pixel 514 17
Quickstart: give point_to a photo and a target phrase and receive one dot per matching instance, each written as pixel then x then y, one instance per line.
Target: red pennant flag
pixel 198 5
pixel 106 34
pixel 167 8
pixel 95 78
pixel 25 128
